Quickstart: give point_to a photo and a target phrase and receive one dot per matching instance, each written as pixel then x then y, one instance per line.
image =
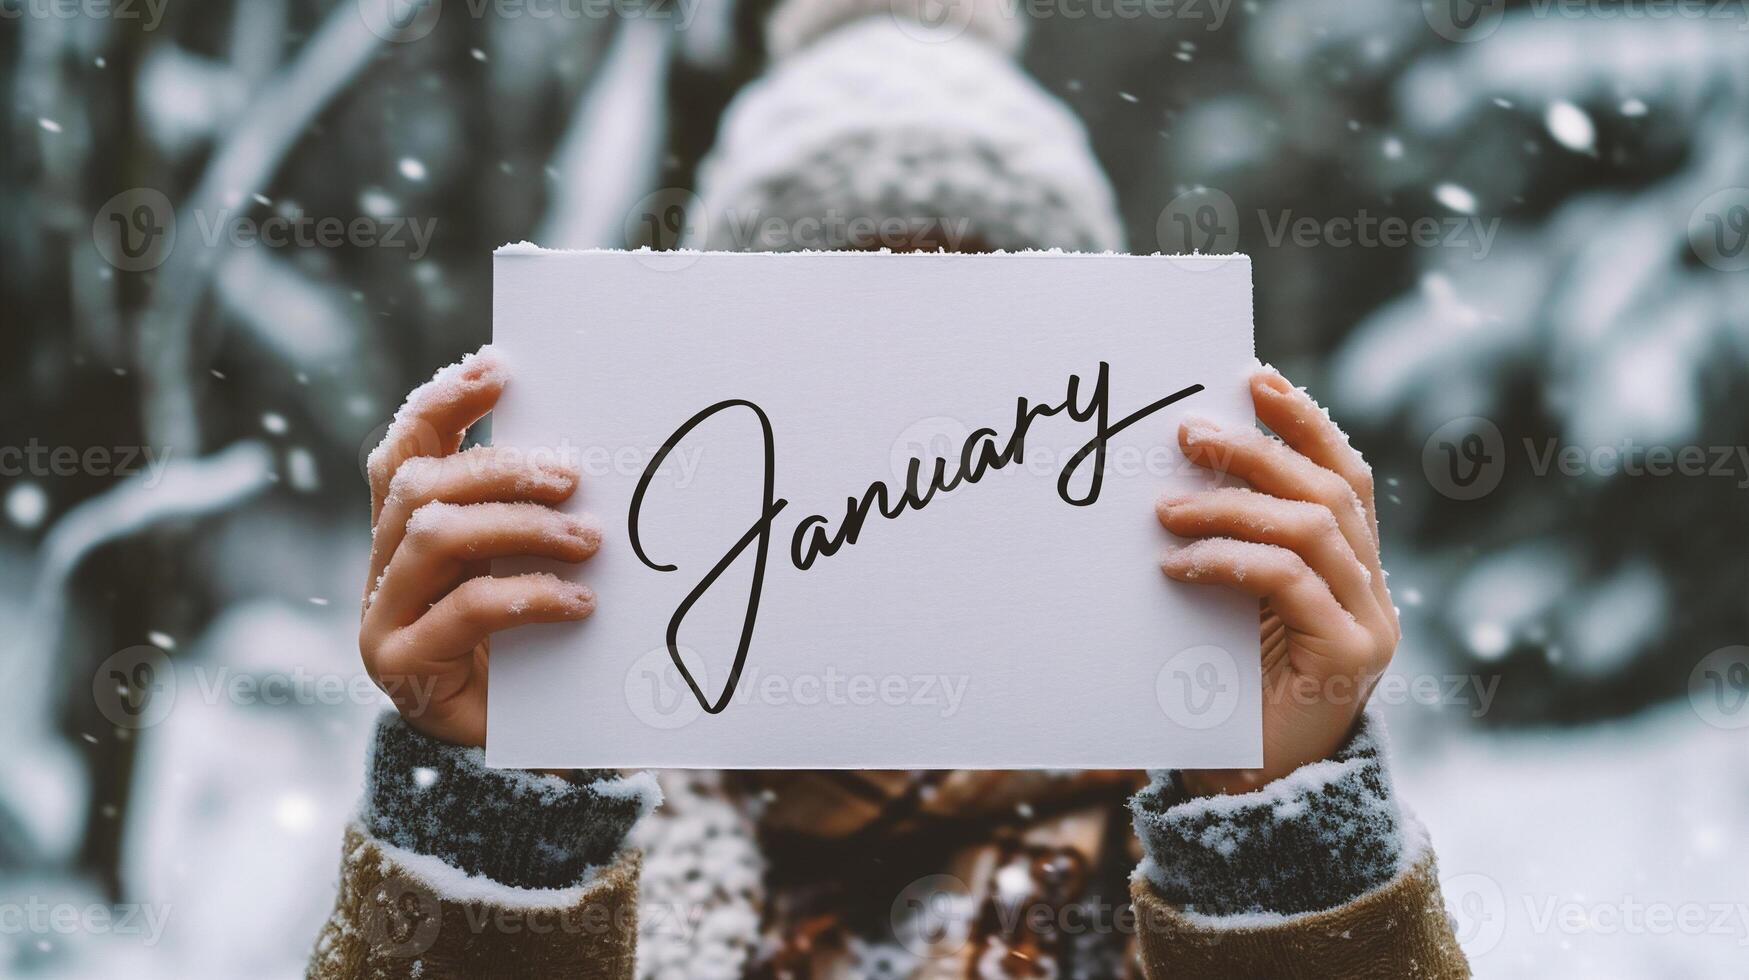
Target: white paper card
pixel 1016 620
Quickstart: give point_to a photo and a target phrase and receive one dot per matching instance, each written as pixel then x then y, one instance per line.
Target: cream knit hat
pixel 894 123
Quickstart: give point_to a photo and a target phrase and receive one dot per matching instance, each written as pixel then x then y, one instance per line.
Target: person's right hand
pixel 438 517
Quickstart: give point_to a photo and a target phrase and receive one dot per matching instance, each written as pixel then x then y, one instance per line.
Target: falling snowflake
pixel 1458 199
pixel 1570 126
pixel 26 505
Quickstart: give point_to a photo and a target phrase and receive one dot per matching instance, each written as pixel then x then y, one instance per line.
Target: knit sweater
pixel 455 869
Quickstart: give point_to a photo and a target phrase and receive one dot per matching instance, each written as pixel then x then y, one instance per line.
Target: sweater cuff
pixel 512 826
pixel 1315 839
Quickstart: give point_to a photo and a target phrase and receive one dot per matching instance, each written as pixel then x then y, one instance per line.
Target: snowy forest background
pixel 1603 604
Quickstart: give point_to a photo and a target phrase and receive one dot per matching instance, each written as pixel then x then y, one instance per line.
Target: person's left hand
pixel 1304 539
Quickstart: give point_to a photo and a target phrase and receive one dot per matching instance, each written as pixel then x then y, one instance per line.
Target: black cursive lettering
pixel 981 454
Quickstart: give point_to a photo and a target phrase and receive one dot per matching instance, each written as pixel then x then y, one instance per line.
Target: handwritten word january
pixel 815 537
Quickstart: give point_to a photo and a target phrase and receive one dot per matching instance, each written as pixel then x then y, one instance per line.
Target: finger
pixel 1296 594
pixel 423 667
pixel 473 611
pixel 433 419
pixel 1304 425
pixel 481 474
pixel 1270 466
pixel 1307 530
pixel 443 539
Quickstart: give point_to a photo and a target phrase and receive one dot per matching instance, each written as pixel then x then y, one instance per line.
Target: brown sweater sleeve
pixel 393 921
pixel 1322 873
pixel 454 869
pixel 1397 930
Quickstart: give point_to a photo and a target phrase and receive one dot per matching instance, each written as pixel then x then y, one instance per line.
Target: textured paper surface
pixel 999 626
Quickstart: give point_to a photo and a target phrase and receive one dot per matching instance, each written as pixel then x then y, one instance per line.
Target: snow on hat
pixel 892 122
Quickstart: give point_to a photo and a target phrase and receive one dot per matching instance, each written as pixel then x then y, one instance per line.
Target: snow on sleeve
pixel 1312 840
pixel 514 827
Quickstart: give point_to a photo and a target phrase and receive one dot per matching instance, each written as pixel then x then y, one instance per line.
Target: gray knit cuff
pixel 1315 839
pixel 510 825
